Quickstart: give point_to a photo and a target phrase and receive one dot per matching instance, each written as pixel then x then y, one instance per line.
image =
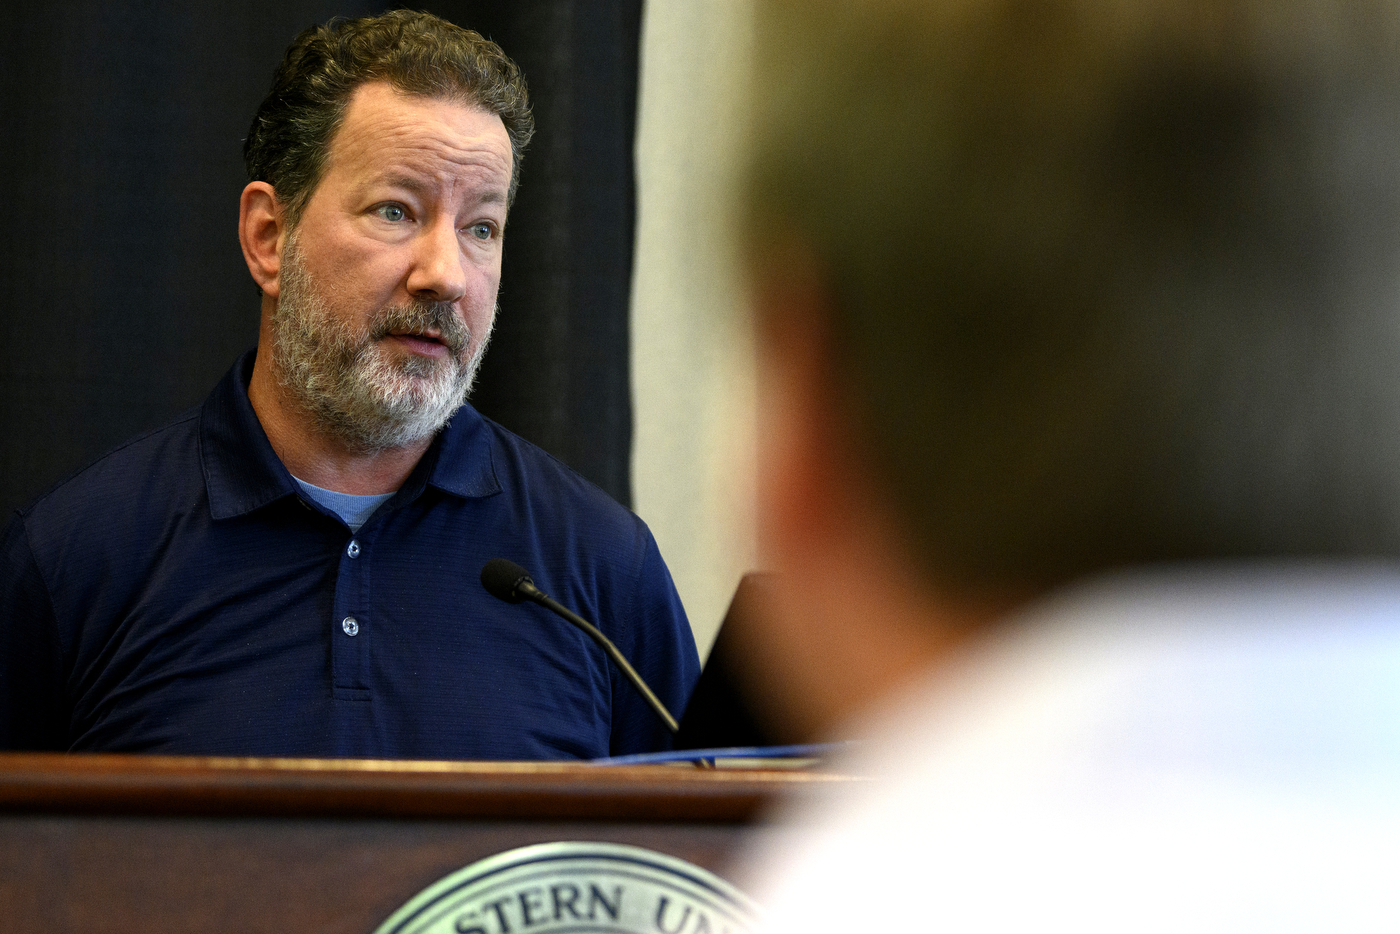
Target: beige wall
pixel 692 371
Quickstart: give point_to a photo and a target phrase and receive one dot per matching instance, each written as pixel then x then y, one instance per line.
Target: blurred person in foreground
pixel 1080 336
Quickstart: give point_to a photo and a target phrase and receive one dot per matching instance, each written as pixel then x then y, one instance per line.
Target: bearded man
pixel 292 568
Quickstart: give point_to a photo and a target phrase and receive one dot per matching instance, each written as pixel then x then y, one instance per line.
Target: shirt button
pixel 354 549
pixel 350 626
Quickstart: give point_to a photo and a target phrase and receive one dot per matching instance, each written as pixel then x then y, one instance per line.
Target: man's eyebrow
pixel 406 182
pixel 418 187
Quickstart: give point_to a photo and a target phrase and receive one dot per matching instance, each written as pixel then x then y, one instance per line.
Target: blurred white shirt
pixel 1208 749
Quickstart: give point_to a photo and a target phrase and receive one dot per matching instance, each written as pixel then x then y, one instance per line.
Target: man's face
pixel 387 290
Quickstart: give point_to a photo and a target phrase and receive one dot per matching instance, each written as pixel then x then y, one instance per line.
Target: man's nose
pixel 438 272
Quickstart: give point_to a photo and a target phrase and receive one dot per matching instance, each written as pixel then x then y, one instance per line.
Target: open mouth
pixel 425 342
pixel 429 329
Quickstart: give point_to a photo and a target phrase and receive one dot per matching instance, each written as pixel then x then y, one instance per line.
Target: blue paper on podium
pixel 803 751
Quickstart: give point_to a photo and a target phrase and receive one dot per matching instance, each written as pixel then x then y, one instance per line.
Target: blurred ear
pixel 261 230
pixel 816 526
pixel 803 444
pixel 853 615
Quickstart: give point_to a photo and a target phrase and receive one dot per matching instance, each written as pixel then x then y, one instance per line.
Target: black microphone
pixel 508 581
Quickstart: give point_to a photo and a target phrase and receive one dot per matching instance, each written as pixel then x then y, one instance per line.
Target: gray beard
pixel 354 389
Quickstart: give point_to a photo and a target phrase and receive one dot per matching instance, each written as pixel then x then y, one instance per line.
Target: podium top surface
pixel 199 786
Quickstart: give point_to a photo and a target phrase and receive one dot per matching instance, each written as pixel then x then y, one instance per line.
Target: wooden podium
pixel 108 843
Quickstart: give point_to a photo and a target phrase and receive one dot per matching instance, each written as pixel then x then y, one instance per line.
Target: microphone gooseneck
pixel 508 581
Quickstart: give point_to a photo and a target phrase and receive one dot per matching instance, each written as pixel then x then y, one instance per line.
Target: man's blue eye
pixel 481 231
pixel 390 212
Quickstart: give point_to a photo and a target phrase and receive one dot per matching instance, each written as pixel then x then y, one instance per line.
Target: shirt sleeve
pixel 32 705
pixel 662 650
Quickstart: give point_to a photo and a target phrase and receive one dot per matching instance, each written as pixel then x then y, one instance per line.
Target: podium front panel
pixel 102 843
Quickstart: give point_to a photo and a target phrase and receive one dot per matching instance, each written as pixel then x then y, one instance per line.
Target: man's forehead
pixel 382 123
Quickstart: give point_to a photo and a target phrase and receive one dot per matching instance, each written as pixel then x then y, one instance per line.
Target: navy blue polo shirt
pixel 184 595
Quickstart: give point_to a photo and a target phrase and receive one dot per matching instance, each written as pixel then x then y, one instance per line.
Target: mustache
pixel 419 318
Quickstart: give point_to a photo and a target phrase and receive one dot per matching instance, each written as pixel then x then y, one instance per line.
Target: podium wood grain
pixel 114 843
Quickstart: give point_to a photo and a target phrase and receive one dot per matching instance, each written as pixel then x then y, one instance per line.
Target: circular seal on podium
pixel 552 888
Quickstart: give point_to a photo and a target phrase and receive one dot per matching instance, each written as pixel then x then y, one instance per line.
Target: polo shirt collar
pixel 243 473
pixel 462 457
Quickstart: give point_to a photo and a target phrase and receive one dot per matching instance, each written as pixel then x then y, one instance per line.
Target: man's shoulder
pixel 522 468
pixel 159 461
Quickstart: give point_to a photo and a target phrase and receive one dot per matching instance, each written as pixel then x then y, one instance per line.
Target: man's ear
pixel 261 231
pixel 803 452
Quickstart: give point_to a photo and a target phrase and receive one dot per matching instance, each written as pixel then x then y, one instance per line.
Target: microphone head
pixel 502 579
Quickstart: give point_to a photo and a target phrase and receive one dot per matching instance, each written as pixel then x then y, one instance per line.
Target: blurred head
pixel 1095 282
pixel 415 53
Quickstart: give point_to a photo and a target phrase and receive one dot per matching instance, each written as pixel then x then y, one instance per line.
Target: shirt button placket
pixel 352 614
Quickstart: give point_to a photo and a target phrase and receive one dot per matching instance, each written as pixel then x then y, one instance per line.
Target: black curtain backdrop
pixel 126 298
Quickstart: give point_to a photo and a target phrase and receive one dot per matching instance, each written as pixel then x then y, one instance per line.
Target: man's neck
pixel 319 458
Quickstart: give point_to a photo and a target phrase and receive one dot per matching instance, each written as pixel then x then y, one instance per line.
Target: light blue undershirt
pixel 352 508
